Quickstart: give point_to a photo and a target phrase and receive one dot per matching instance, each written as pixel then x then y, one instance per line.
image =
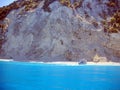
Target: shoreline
pixel 88 63
pixel 69 63
pixel 6 60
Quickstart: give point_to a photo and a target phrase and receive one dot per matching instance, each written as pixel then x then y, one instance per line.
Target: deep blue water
pixel 31 76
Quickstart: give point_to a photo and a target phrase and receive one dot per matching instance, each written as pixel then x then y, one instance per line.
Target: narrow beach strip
pixel 88 63
pixel 70 63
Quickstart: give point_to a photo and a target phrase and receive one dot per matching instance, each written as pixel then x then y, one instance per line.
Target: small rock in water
pixel 83 61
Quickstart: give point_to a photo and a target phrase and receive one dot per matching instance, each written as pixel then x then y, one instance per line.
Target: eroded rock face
pixel 113 47
pixel 62 34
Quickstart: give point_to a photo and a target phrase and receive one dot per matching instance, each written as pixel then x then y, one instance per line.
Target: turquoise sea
pixel 36 76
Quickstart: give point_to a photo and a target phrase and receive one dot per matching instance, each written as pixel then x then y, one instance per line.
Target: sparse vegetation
pixel 29 4
pixel 112 25
pixel 111 4
pixel 69 4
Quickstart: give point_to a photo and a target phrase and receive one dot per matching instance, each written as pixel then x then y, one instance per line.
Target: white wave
pixel 56 63
pixel 35 62
pixel 6 60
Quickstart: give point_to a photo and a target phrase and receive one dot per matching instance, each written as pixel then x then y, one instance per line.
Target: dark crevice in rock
pixel 46 5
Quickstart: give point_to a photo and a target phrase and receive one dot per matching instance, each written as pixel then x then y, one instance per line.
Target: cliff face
pixel 59 32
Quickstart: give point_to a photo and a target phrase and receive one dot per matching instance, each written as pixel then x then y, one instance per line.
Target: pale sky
pixel 5 2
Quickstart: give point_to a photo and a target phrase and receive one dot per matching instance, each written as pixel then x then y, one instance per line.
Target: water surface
pixel 33 76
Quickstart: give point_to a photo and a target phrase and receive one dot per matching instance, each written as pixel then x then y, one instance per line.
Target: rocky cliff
pixel 60 30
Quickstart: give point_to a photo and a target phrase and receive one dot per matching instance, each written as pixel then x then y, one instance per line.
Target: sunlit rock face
pixel 61 34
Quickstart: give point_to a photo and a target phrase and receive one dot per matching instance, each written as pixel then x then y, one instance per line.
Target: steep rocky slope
pixel 60 30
